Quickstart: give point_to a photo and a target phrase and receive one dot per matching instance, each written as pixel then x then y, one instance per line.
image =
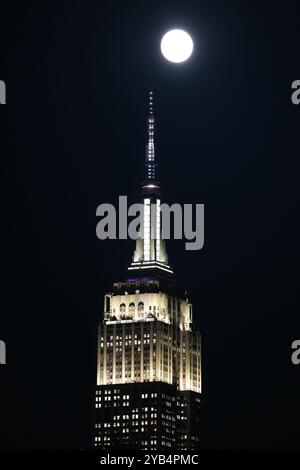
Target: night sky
pixel 73 136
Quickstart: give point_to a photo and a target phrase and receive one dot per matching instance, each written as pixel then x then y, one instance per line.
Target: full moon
pixel 176 45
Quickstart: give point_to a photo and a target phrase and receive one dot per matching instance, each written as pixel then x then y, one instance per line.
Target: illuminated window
pixel 140 310
pixel 122 309
pixel 131 309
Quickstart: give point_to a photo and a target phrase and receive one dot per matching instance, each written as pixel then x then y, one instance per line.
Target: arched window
pixel 131 309
pixel 122 309
pixel 141 309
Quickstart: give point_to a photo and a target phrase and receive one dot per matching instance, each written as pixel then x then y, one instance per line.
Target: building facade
pixel 148 393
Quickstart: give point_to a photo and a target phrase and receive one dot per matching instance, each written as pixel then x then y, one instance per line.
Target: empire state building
pixel 148 393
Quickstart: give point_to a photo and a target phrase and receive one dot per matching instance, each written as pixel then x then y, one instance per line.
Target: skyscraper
pixel 148 393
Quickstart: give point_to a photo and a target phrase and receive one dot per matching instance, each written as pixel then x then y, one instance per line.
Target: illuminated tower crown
pixel 150 252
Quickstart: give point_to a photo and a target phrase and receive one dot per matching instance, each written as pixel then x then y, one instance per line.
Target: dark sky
pixel 73 136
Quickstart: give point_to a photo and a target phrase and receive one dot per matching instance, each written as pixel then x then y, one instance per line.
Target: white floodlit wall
pixel 137 348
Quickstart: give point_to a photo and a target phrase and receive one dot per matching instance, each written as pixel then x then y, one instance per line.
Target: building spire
pixel 150 151
pixel 150 251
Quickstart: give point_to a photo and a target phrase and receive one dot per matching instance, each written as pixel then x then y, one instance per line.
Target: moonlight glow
pixel 176 45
